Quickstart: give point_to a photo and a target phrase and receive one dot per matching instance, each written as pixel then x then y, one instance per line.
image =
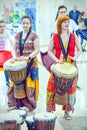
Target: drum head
pixel 44 116
pixel 10 117
pixel 66 70
pixel 19 113
pixel 17 65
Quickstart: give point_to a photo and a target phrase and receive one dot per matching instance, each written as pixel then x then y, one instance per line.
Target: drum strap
pixel 20 41
pixel 63 49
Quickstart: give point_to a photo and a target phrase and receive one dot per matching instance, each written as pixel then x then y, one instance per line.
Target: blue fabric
pixel 85 21
pixel 81 34
pixel 34 74
pixel 7 78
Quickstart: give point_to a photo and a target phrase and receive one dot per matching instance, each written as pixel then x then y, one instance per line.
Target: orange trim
pixel 51 86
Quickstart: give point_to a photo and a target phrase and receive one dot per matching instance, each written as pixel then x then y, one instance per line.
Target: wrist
pixel 28 58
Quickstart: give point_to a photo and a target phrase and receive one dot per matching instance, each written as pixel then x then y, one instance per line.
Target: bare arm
pixel 36 48
pixel 13 45
pixel 78 47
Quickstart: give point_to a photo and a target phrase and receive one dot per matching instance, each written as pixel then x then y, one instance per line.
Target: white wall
pixel 46 12
pixel 81 4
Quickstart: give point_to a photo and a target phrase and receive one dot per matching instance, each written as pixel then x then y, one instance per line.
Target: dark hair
pixel 29 18
pixel 60 7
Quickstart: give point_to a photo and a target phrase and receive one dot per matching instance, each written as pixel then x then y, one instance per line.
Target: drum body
pixel 30 123
pixel 10 122
pixel 61 99
pixel 17 72
pixel 44 121
pixel 64 75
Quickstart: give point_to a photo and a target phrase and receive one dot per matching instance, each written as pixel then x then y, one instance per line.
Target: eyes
pixel 61 12
pixel 66 21
pixel 2 26
pixel 25 23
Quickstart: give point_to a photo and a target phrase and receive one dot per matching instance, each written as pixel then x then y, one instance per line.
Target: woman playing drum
pixel 27 47
pixel 65 45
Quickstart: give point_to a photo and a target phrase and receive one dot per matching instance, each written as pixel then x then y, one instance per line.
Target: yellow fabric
pixel 64 44
pixel 11 84
pixel 33 84
pixel 30 83
pixel 37 89
pixel 2 69
pixel 36 61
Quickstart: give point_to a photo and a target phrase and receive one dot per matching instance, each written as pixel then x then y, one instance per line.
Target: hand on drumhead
pixel 12 60
pixel 59 61
pixel 21 58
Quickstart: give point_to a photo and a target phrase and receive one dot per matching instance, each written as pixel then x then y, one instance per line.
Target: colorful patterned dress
pixel 51 86
pixel 31 86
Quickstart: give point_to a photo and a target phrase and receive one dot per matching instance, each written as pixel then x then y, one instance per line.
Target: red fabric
pixel 51 87
pixel 4 56
pixel 58 46
pixel 46 60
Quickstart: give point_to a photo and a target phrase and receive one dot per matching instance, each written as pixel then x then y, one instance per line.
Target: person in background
pixel 74 14
pixel 73 27
pixel 27 47
pixel 5 36
pixel 62 26
pixel 83 25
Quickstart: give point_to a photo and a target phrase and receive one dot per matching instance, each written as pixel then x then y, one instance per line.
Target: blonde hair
pixel 59 22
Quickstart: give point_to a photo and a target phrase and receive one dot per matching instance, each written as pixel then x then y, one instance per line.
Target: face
pixel 2 28
pixel 62 11
pixel 26 24
pixel 65 25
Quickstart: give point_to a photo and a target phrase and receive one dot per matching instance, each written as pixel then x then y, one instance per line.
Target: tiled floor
pixel 81 100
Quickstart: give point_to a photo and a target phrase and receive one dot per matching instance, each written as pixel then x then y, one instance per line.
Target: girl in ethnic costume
pixel 26 48
pixel 63 32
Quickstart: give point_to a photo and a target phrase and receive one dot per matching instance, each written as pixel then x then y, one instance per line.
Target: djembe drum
pixel 10 121
pixel 44 121
pixel 64 75
pixel 17 72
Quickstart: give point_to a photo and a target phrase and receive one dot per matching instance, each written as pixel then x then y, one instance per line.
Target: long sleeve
pixel 81 34
pixel 74 27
